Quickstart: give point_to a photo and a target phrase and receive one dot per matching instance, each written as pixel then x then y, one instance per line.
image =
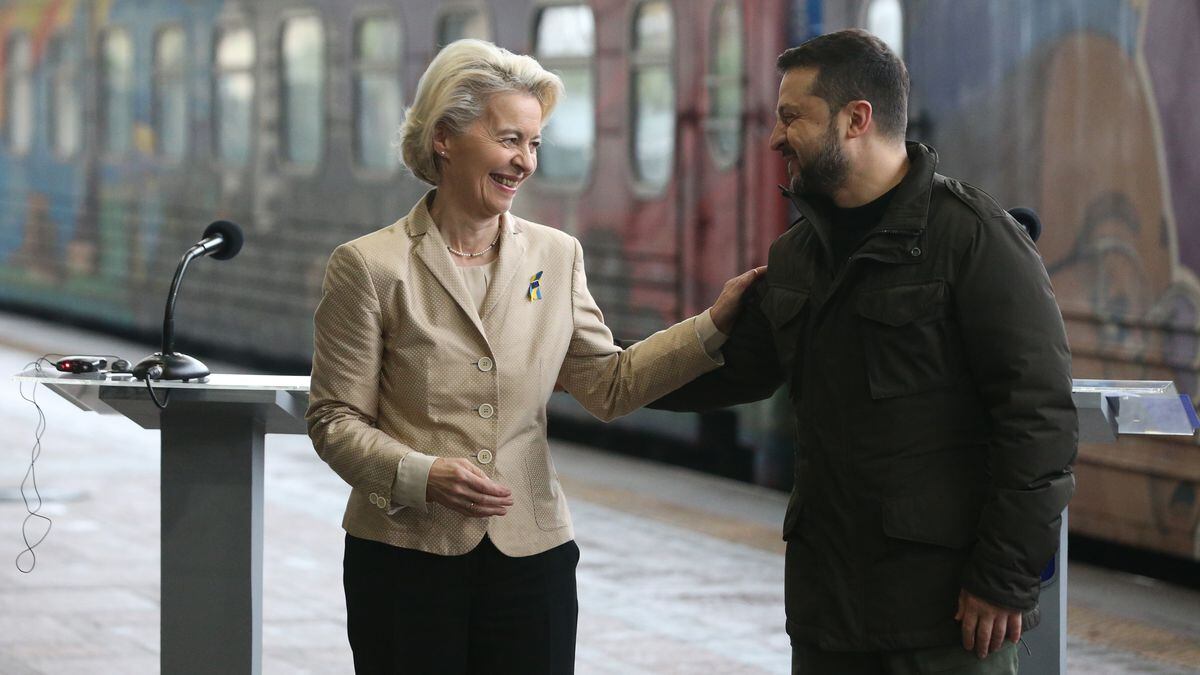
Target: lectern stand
pixel 1107 409
pixel 212 503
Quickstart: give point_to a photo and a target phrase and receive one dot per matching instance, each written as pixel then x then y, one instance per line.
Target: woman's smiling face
pixel 483 167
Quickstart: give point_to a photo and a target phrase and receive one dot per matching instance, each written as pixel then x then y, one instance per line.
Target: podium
pixel 212 498
pixel 1107 410
pixel 212 502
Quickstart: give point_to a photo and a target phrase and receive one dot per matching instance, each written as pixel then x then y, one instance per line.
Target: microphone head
pixel 231 235
pixel 1028 218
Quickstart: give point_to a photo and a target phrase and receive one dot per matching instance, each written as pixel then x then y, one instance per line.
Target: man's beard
pixel 824 173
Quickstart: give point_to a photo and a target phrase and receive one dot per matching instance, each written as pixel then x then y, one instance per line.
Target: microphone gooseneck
pixel 222 240
pixel 168 332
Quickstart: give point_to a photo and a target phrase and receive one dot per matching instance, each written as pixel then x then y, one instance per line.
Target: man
pixel 927 364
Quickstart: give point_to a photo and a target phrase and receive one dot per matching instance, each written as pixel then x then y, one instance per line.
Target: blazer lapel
pixel 508 265
pixel 431 249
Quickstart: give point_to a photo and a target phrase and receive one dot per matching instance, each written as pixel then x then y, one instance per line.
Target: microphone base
pixel 173 365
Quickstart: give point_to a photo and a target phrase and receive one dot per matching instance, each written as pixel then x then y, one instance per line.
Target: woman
pixel 439 340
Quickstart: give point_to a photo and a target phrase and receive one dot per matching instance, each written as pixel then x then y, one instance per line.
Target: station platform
pixel 680 572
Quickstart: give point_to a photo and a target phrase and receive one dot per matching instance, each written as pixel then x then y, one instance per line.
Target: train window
pixel 462 22
pixel 885 20
pixel 65 107
pixel 170 94
pixel 565 43
pixel 116 92
pixel 303 86
pixel 725 85
pixel 653 94
pixel 377 94
pixel 234 95
pixel 18 94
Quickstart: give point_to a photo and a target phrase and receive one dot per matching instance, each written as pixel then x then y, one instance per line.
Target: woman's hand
pixel 725 309
pixel 460 485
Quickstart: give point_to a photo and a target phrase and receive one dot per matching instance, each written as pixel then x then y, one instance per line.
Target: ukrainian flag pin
pixel 535 288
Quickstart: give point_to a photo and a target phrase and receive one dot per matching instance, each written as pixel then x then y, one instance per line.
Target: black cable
pixel 31 473
pixel 151 375
pixel 33 506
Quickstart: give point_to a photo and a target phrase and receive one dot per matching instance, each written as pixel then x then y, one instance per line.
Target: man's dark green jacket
pixel 931 382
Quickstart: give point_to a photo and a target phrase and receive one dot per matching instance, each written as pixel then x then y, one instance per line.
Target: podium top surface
pixel 279 401
pixel 224 381
pixel 299 383
pixel 1126 387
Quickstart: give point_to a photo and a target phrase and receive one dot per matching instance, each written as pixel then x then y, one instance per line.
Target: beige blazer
pixel 404 363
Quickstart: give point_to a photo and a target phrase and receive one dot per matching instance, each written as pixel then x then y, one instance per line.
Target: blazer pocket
pixel 904 336
pixel 549 503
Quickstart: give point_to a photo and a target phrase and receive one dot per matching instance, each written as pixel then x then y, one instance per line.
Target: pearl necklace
pixel 463 254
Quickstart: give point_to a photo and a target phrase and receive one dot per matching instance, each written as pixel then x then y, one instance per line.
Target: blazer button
pixel 374 499
pixel 486 410
pixel 485 364
pixel 484 456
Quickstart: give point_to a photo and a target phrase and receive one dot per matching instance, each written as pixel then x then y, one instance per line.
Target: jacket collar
pixel 903 222
pixel 909 209
pixel 430 247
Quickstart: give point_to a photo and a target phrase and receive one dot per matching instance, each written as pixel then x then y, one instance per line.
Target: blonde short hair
pixel 454 92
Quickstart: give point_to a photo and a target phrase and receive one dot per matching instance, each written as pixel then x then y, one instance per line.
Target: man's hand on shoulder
pixel 984 625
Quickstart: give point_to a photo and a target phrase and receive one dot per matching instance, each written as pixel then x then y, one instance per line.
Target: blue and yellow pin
pixel 535 288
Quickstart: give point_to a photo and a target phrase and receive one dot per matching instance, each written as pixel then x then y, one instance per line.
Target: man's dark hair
pixel 854 65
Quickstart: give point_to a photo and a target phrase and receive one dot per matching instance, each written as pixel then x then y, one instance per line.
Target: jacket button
pixel 374 499
pixel 915 252
pixel 486 410
pixel 485 364
pixel 484 456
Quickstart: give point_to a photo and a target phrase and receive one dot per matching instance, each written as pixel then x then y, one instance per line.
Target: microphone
pixel 221 240
pixel 1028 218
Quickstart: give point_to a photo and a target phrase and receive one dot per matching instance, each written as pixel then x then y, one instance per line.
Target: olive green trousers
pixel 808 660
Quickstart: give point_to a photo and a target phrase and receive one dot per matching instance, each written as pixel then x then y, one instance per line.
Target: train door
pixel 305 192
pixel 711 143
pixel 729 207
pixel 128 223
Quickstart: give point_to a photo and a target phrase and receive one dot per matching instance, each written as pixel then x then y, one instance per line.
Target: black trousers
pixel 412 612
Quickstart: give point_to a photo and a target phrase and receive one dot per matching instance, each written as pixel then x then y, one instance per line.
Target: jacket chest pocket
pixel 785 309
pixel 904 333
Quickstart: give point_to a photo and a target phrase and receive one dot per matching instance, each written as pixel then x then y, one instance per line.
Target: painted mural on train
pixel 1081 110
pixel 127 125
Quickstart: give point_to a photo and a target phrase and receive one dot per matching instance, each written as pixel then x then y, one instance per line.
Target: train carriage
pixel 126 125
